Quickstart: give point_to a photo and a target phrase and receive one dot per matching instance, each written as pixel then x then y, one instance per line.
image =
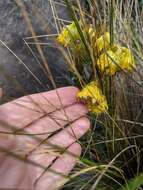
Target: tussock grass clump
pixel 103 45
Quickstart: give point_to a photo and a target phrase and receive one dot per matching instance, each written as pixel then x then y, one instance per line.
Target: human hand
pixel 57 120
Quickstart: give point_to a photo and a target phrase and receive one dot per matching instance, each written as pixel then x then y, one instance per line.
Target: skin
pixel 44 114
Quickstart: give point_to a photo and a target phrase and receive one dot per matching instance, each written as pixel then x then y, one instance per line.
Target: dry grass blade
pixel 25 14
pixel 21 62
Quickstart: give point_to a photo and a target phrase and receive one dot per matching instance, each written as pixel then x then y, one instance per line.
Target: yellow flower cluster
pixel 103 42
pixel 92 96
pixel 115 59
pixel 70 37
pixel 111 58
pixel 106 64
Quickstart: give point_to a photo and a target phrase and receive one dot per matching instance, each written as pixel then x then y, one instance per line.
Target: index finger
pixel 55 99
pixel 26 110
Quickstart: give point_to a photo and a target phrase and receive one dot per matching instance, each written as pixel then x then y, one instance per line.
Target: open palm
pixel 54 122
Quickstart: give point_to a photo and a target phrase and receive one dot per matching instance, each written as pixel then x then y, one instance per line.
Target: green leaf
pixel 134 184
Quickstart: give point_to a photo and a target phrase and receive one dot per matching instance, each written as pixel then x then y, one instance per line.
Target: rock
pixel 15 78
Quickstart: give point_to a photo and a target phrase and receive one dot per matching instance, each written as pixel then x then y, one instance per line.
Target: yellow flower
pixel 92 96
pixel 127 59
pixel 63 38
pixel 103 42
pixel 111 58
pixel 91 33
pixel 107 63
pixel 117 58
pixel 69 36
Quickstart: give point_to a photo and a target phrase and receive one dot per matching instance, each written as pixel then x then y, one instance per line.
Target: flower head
pixel 111 58
pixel 115 59
pixel 92 96
pixel 103 42
pixel 70 37
pixel 127 59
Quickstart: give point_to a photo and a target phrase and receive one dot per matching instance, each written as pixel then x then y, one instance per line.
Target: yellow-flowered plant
pixel 106 64
pixel 115 59
pixel 127 59
pixel 70 37
pixel 103 42
pixel 92 96
pixel 111 58
pixel 100 43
